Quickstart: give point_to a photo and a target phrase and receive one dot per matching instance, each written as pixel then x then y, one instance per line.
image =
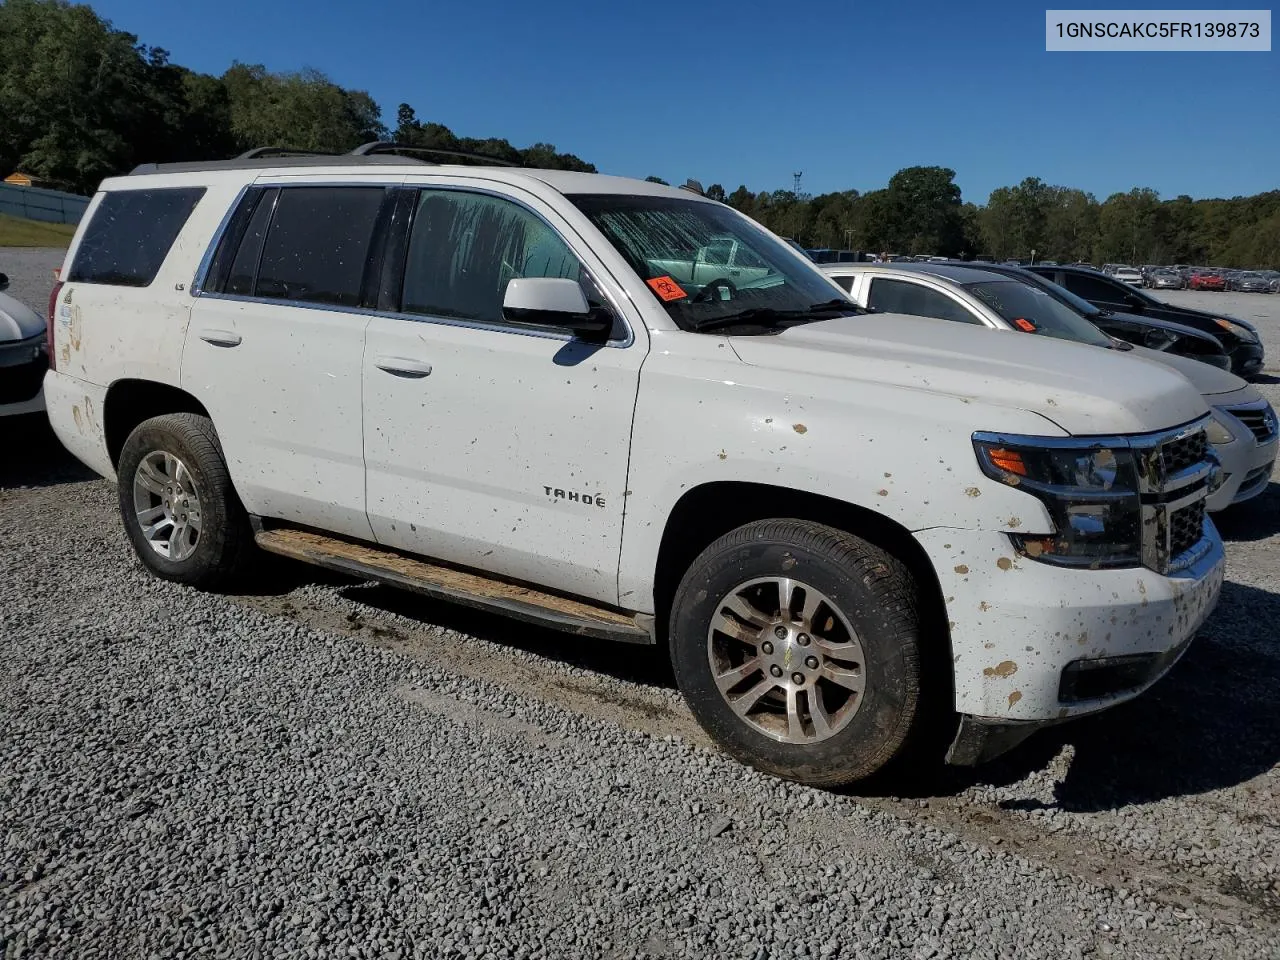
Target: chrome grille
pixel 1175 469
pixel 1182 452
pixel 1186 527
pixel 1259 419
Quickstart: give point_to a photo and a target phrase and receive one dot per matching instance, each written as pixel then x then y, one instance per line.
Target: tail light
pixel 50 320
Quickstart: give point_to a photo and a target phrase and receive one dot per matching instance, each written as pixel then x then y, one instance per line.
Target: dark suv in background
pixel 1150 332
pixel 1238 338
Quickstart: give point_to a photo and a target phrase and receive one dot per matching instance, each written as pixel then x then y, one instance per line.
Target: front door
pixel 488 443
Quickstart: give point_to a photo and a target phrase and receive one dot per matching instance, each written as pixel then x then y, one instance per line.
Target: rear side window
pixel 1092 288
pixel 846 283
pixel 130 235
pixel 902 296
pixel 318 244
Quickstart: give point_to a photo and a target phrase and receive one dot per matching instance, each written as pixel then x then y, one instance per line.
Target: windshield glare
pixel 705 262
pixel 1016 301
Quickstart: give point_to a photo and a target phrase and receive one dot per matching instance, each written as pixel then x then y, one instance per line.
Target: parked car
pixel 1128 275
pixel 454 378
pixel 1161 335
pixel 23 356
pixel 1247 282
pixel 1166 280
pixel 1238 337
pixel 1206 280
pixel 1244 431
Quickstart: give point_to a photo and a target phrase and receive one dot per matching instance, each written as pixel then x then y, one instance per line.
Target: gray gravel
pixel 30 272
pixel 331 769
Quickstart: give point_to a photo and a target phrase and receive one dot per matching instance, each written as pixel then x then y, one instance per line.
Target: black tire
pixel 878 598
pixel 225 539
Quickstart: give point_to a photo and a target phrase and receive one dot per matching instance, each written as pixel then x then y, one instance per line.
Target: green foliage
pixel 80 101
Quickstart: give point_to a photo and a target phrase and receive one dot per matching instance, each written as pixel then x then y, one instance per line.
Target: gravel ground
pixel 30 272
pixel 324 768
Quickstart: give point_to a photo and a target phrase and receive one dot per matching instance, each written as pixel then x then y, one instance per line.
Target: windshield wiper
pixel 815 311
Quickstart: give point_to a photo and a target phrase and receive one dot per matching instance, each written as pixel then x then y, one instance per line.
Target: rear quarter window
pixel 130 234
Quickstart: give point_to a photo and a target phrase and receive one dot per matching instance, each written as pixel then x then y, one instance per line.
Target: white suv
pixel 490 385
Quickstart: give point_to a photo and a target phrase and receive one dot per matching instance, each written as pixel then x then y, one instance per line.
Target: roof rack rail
pixel 388 146
pixel 282 152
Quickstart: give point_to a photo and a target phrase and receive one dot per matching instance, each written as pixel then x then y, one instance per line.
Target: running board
pixel 457 586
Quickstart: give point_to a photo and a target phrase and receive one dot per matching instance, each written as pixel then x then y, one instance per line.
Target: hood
pixel 1207 379
pixel 17 320
pixel 1083 389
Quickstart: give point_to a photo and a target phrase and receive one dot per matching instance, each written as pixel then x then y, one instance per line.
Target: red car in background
pixel 1206 280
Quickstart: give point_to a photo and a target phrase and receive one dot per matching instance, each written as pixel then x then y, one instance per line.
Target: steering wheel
pixel 704 294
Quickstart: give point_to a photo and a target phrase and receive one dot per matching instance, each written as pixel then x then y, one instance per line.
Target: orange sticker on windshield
pixel 666 289
pixel 1026 326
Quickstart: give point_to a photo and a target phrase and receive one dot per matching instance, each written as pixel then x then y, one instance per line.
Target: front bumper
pixel 22 367
pixel 1017 625
pixel 1246 467
pixel 1246 359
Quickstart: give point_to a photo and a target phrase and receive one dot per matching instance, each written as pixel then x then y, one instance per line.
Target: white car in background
pixel 23 356
pixel 1243 430
pixel 1128 275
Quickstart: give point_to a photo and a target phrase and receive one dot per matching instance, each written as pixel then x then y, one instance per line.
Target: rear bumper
pixel 75 413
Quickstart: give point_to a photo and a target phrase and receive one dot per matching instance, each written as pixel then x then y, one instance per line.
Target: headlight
pixel 1217 431
pixel 1239 329
pixel 1090 491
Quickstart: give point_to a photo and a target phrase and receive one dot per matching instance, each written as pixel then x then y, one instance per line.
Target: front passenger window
pixel 465 247
pixel 902 296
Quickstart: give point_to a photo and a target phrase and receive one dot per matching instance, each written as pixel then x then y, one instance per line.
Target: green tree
pixel 925 205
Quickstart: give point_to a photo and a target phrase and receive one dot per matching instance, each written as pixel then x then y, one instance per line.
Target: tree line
pixel 921 212
pixel 80 101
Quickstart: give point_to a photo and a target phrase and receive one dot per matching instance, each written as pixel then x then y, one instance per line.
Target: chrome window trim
pixel 206 261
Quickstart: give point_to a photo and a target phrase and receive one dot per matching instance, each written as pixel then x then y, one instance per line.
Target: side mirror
pixel 4 281
pixel 1134 302
pixel 554 302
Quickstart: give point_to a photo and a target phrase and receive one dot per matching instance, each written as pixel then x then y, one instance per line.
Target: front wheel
pixel 178 505
pixel 797 647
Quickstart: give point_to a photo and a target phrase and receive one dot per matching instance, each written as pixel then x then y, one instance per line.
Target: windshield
pixel 711 267
pixel 1025 306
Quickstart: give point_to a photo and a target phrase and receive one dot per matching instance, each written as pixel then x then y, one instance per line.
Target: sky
pixel 750 92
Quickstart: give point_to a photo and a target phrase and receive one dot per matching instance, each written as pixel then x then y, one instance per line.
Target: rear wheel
pixel 177 502
pixel 797 648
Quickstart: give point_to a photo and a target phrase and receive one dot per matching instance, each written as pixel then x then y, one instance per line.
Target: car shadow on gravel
pixel 1210 724
pixel 631 663
pixel 34 456
pixel 1255 519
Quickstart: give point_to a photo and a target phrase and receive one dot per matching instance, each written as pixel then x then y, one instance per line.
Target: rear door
pixel 490 443
pixel 275 345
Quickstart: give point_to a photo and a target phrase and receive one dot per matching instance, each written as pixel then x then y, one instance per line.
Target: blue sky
pixel 742 91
